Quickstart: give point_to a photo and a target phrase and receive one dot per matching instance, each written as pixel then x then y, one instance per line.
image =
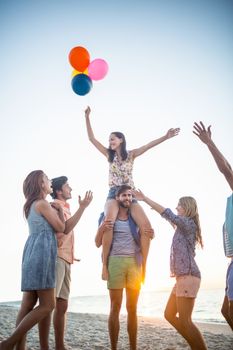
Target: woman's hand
pixel 87 111
pixel 56 206
pixel 139 195
pixel 172 132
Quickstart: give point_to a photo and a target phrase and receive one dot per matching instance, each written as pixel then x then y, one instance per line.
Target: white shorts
pixel 186 286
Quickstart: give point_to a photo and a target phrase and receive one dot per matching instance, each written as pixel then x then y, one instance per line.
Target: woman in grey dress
pixel 39 257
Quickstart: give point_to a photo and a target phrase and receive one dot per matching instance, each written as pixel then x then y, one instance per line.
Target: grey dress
pixel 39 255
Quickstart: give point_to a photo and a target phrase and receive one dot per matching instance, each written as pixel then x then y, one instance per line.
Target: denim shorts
pixel 112 193
pixel 229 282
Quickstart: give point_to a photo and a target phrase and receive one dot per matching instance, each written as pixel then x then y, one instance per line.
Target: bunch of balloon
pixel 85 70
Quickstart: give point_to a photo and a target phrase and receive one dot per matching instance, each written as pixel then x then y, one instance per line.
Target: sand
pixel 89 332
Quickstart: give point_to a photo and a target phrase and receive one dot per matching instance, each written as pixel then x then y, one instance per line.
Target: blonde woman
pixel 179 308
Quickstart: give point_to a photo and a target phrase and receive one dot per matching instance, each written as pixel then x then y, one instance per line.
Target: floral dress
pixel 120 171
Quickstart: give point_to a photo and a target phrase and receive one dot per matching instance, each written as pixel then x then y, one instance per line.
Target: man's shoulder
pixel 62 203
pixel 65 207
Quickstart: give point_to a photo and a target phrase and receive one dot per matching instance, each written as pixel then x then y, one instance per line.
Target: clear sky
pixel 170 64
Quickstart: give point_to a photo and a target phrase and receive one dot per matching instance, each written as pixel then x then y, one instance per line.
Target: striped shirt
pixel 228 228
pixel 123 242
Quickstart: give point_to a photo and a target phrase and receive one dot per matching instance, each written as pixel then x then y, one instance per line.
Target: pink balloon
pixel 97 69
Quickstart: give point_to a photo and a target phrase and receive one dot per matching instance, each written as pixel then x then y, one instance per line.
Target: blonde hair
pixel 189 205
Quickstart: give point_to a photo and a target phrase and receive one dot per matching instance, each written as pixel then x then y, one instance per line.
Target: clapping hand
pixel 86 200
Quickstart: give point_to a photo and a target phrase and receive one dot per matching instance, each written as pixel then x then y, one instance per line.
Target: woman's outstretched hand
pixel 87 111
pixel 139 195
pixel 172 132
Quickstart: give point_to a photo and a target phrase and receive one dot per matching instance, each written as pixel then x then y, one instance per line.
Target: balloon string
pixel 88 99
pixel 85 101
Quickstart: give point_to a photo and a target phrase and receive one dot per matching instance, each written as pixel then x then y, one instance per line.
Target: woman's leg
pixel 28 303
pixel 193 335
pixel 44 329
pixel 178 313
pixel 170 314
pixel 110 211
pixel 46 305
pixel 146 232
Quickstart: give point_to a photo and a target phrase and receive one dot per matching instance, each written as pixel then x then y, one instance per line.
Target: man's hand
pixel 149 232
pixel 107 225
pixel 86 200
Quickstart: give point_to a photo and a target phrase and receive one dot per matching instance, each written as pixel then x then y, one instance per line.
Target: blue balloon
pixel 81 84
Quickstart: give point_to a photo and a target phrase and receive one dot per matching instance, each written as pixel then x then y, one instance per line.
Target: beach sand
pixel 89 332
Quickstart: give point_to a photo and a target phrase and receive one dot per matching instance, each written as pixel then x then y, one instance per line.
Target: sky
pixel 170 64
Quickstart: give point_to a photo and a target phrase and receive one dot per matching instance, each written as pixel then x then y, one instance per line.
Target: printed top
pixel 120 171
pixel 182 255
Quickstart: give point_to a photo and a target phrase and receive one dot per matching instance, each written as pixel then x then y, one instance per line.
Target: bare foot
pixel 105 273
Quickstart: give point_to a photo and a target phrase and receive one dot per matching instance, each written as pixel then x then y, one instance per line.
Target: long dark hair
pixel 124 153
pixel 32 189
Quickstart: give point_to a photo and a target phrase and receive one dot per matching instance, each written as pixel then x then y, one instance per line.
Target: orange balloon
pixel 79 58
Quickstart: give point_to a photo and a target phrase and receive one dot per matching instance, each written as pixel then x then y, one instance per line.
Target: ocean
pixel 152 304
